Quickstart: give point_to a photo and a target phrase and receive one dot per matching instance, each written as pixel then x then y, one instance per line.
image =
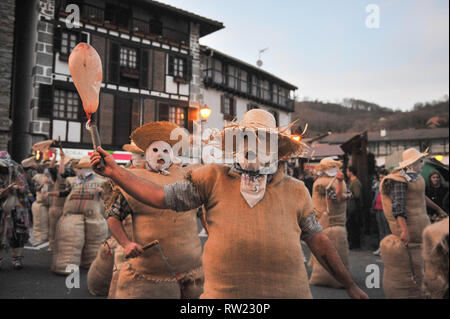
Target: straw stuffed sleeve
pixel 204 179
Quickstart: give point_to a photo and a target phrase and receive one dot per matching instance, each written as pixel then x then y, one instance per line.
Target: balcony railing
pixel 150 29
pixel 236 85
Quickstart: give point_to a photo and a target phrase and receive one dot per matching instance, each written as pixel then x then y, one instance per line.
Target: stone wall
pixel 6 63
pixel 43 70
pixel 196 85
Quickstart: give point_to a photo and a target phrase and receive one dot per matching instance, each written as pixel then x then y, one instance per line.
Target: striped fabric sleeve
pixel 182 196
pixel 309 226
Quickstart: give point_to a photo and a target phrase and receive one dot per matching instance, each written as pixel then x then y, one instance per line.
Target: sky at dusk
pixel 325 48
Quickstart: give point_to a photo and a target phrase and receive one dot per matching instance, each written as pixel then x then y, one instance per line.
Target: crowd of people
pixel 135 227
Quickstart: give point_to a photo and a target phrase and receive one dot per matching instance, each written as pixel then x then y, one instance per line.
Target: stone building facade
pixel 6 63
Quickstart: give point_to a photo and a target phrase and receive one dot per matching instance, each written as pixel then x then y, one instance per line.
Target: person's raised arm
pixel 142 190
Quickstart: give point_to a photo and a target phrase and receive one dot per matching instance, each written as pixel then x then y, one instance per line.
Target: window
pixel 275 93
pixel 128 57
pixel 65 105
pixel 177 67
pixel 231 72
pixel 243 81
pixel 228 107
pixel 117 16
pixel 217 77
pixel 177 116
pixel 68 42
pixel 265 90
pixel 66 122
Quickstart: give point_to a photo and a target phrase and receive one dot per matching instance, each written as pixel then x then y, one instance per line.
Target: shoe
pixel 17 262
pixel 377 252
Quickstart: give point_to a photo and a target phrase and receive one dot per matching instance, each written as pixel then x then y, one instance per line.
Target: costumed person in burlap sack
pixel 404 205
pixel 103 272
pixel 173 268
pixel 58 173
pixel 82 228
pixel 40 207
pixel 435 254
pixel 329 200
pixel 255 215
pixel 14 207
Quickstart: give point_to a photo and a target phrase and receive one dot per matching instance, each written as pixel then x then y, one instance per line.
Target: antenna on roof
pixel 259 63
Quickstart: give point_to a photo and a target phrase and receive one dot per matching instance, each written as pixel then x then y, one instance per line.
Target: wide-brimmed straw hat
pixel 261 120
pixel 43 145
pixel 85 162
pixel 29 162
pixel 410 156
pixel 132 148
pixel 326 163
pixel 157 131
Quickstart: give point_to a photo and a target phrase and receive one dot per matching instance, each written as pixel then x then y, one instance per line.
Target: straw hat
pixel 156 131
pixel 43 145
pixel 29 162
pixel 132 148
pixel 261 120
pixel 410 156
pixel 326 163
pixel 85 162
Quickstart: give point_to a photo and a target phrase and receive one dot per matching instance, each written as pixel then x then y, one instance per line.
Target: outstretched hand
pixel 110 163
pixel 355 292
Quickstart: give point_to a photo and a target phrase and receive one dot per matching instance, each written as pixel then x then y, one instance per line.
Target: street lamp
pixel 296 138
pixel 205 112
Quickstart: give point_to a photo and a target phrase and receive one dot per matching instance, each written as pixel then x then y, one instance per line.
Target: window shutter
pixel 144 68
pixel 171 62
pixel 83 37
pixel 114 63
pixel 222 104
pixel 45 100
pixel 233 107
pixel 188 69
pixel 57 39
pixel 163 112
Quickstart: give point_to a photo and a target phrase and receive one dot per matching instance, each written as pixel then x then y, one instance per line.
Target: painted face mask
pixel 331 172
pixel 159 156
pixel 417 166
pixel 137 159
pixel 258 154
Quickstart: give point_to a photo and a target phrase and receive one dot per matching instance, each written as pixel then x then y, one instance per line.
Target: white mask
pixel 331 172
pixel 252 159
pixel 84 172
pixel 137 159
pixel 159 156
pixel 417 166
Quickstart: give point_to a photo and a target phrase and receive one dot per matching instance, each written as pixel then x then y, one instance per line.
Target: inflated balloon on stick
pixel 85 68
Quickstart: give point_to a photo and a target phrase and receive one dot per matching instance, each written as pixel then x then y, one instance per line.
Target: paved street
pixel 37 281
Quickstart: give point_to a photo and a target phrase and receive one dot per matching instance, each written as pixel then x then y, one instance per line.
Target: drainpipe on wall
pixel 25 26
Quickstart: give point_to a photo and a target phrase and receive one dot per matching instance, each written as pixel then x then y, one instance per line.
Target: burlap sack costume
pixel 435 254
pixel 101 270
pixel 332 217
pixel 56 208
pixel 398 280
pixel 40 211
pixel 82 228
pixel 253 252
pixel 148 276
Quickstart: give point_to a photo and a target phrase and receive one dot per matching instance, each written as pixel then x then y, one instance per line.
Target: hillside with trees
pixel 353 115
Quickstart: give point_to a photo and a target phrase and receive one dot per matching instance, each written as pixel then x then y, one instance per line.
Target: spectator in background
pixel 436 191
pixel 377 209
pixel 354 209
